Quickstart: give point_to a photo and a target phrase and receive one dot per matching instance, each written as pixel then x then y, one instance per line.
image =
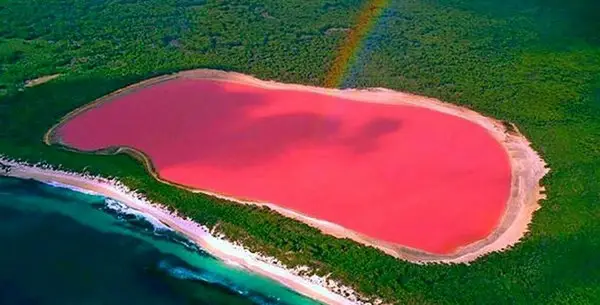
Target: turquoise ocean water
pixel 64 247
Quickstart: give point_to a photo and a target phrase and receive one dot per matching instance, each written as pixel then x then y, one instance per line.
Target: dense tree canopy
pixel 532 62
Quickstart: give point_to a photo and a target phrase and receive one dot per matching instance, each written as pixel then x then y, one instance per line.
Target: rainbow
pixel 347 53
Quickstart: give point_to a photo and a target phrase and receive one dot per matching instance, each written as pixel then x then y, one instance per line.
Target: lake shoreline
pixel 526 165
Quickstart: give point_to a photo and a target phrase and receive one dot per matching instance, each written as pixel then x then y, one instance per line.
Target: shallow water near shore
pixel 66 247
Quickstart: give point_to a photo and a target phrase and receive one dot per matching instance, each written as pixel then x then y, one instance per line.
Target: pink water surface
pixel 401 174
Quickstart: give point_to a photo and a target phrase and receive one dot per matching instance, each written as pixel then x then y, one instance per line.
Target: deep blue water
pixel 64 247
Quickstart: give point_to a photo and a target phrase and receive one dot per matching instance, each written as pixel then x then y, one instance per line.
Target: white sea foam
pixel 70 187
pixel 121 208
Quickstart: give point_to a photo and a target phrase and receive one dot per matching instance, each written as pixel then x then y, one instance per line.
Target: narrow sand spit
pixel 40 80
pixel 317 288
pixel 527 168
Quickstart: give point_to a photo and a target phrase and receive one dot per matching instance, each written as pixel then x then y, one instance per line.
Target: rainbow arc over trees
pixel 366 20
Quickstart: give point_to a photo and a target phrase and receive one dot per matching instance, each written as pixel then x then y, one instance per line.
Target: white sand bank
pixel 317 288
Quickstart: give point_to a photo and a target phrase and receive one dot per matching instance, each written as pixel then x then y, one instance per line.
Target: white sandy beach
pixel 317 288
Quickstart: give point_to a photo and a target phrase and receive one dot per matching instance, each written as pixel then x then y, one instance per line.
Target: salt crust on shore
pixel 319 288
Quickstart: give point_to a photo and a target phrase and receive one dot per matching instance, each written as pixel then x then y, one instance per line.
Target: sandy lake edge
pixel 527 167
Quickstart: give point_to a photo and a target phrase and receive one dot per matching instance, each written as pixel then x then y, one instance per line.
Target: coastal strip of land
pixel 318 288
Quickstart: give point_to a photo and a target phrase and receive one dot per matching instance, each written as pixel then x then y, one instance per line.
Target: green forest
pixel 535 63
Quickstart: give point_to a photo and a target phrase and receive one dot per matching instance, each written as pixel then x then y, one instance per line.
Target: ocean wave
pixel 122 209
pixel 149 223
pixel 184 273
pixel 70 187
